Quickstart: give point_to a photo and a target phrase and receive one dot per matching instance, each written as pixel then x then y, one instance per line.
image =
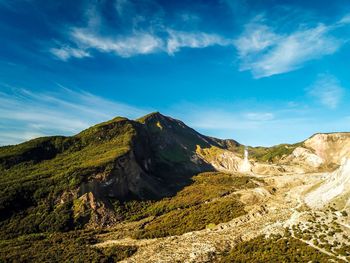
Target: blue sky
pixel 260 72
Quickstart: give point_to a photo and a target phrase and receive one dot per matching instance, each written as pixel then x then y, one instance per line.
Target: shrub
pixel 274 249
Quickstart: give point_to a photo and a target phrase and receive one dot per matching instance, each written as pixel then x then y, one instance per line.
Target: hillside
pixel 124 183
pixel 119 160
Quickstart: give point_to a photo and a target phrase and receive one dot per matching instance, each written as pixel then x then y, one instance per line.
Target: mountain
pixel 155 177
pixel 120 159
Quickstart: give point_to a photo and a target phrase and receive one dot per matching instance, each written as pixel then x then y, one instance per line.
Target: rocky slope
pixel 335 188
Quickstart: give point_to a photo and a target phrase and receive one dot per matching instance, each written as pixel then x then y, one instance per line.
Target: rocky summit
pixel 155 190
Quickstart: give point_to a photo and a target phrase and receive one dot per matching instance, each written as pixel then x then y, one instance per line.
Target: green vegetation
pixel 42 170
pixel 181 221
pixel 274 249
pixel 204 188
pixel 261 154
pixel 60 247
pixel 264 154
pixel 196 206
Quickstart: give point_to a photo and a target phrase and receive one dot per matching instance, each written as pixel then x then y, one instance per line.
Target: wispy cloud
pixel 124 46
pixel 255 39
pixel 138 35
pixel 180 39
pixel 25 114
pixel 265 52
pixel 64 53
pixel 138 43
pixel 327 90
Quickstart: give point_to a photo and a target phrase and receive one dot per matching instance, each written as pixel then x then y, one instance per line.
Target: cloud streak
pixel 137 43
pixel 180 39
pixel 65 52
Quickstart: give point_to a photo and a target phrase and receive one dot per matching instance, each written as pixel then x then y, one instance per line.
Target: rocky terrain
pixel 155 190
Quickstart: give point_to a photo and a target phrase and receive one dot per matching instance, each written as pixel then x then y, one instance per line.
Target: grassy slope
pixel 197 206
pixel 271 154
pixel 30 189
pixel 60 247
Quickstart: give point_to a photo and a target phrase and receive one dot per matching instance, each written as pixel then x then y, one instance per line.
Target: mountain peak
pixel 152 116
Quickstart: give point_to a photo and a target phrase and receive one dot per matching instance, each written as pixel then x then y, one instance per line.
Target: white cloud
pixel 25 115
pixel 255 39
pixel 141 34
pixel 327 90
pixel 124 46
pixel 138 43
pixel 265 52
pixel 180 39
pixel 64 53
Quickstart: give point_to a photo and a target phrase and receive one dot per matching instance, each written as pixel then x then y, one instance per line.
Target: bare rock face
pixel 332 148
pixel 126 178
pixel 335 188
pixel 304 159
pixel 301 154
pixel 220 159
pixel 87 210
